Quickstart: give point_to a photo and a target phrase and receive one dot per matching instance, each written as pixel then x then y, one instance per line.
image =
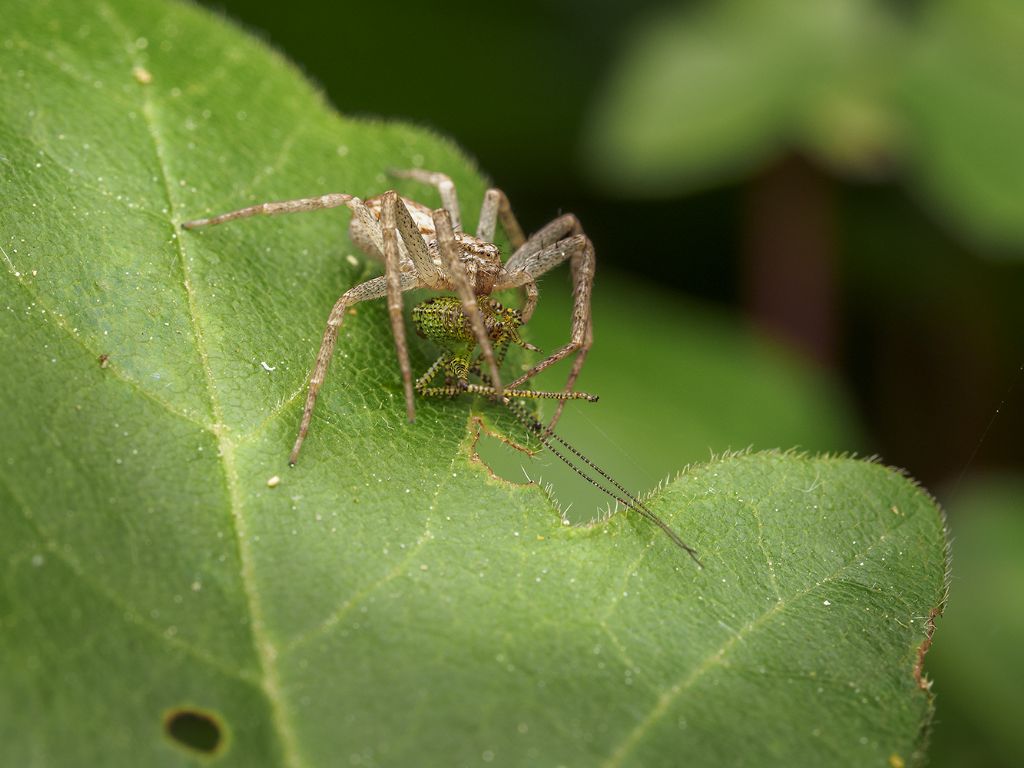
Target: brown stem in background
pixel 789 257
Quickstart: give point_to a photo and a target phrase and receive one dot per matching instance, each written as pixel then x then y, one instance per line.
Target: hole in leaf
pixel 195 730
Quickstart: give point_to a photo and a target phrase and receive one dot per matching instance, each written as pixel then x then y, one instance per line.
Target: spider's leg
pixel 581 332
pixel 371 289
pixel 526 256
pixel 531 301
pixel 333 200
pixel 560 240
pixel 460 281
pixel 393 276
pixel 534 257
pixel 430 275
pixel 496 206
pixel 577 366
pixel 364 227
pixel 445 186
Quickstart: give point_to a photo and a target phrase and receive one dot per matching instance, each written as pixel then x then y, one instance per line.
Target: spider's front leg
pixel 378 239
pixel 397 220
pixel 333 200
pixel 393 283
pixel 371 289
pixel 558 241
pixel 495 207
pixel 445 187
pixel 461 283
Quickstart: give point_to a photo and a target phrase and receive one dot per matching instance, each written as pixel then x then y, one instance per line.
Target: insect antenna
pixel 623 497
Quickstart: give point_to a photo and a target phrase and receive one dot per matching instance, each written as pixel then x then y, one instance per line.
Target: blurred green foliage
pixel 976 657
pixel 927 92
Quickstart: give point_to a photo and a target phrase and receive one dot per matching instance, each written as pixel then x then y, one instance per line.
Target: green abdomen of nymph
pixel 443 321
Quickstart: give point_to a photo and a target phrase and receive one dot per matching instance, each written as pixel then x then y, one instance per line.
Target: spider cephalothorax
pixel 424 248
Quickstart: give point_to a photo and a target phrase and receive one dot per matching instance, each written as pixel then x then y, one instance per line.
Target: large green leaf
pixel 387 602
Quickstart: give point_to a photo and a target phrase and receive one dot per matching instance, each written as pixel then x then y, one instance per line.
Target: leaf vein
pixel 113 369
pixel 127 612
pixel 400 568
pixel 668 697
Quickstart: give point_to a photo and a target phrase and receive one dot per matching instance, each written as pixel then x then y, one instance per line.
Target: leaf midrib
pixel 265 650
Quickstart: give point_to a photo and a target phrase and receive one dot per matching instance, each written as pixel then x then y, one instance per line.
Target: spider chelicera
pixel 424 248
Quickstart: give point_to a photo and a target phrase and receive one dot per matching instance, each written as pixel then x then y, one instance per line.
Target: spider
pixel 424 248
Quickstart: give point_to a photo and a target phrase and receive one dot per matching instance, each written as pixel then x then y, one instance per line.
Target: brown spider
pixel 422 248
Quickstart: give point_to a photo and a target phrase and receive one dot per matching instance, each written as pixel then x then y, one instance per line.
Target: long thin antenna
pixel 624 497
